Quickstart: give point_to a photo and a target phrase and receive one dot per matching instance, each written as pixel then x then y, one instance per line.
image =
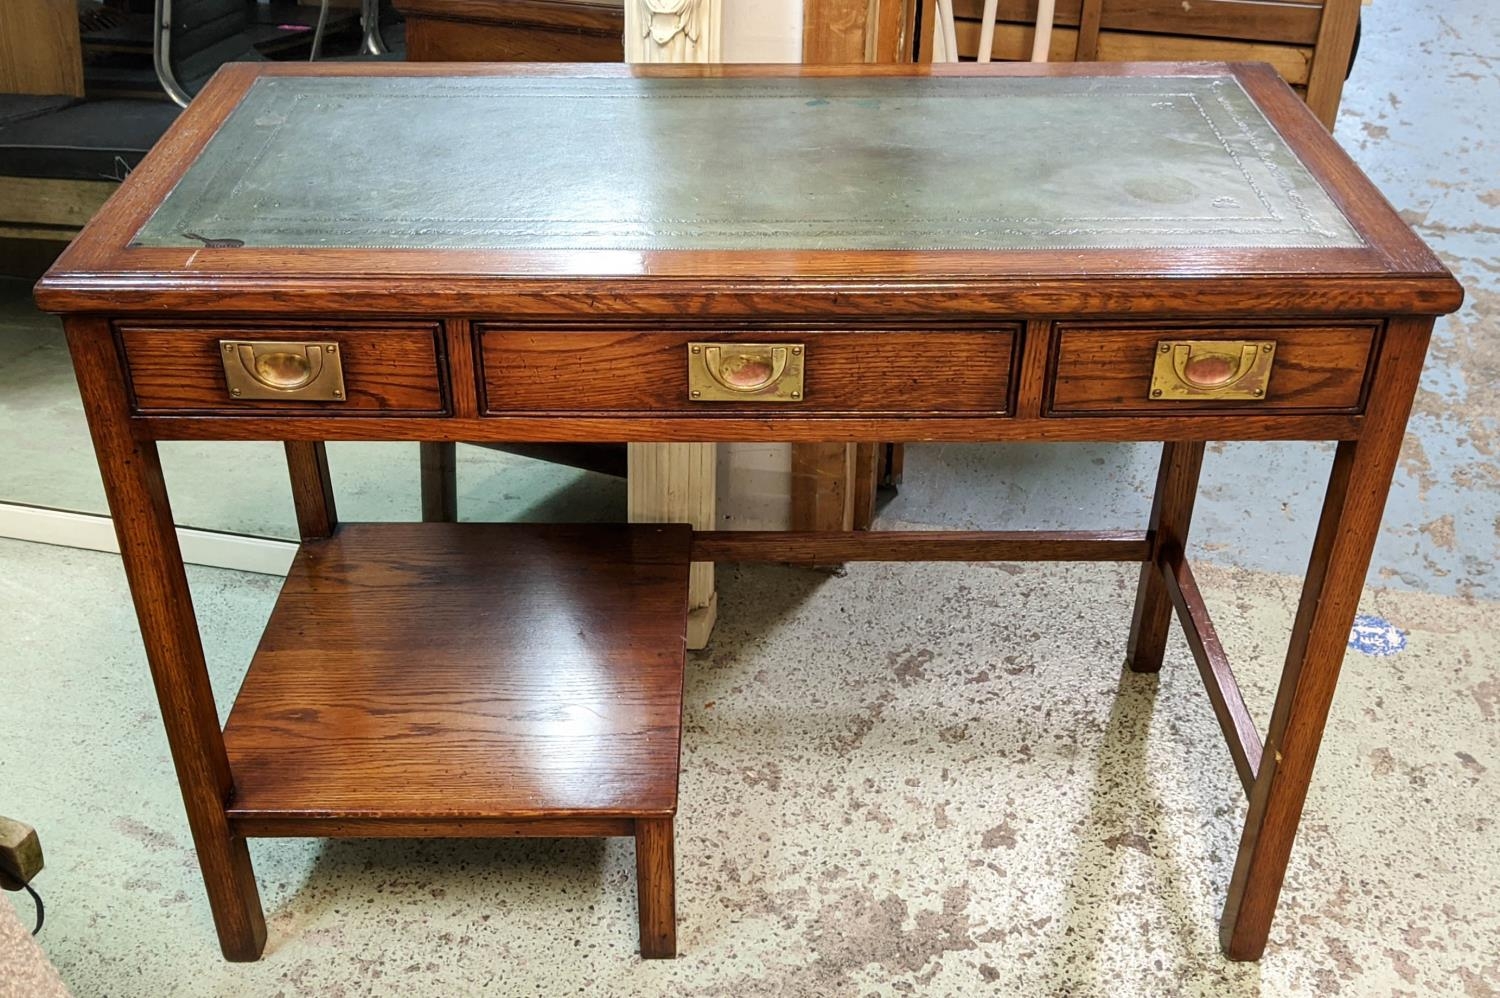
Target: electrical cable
pixel 41 909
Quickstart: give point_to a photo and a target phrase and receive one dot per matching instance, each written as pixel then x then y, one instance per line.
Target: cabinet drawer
pixel 1119 369
pixel 390 369
pixel 912 372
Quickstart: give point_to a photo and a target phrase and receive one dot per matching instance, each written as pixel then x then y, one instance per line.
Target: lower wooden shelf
pixel 467 679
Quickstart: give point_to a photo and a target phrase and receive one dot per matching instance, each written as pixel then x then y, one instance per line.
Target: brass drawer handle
pixel 1212 369
pixel 268 369
pixel 737 372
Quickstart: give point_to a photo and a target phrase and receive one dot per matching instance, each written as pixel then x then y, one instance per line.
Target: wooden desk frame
pixel 1393 280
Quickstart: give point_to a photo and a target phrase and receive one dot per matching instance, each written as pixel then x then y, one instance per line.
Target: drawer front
pixel 910 372
pixel 390 369
pixel 1123 369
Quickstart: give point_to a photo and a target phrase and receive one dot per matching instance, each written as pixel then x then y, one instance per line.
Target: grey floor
pixel 906 780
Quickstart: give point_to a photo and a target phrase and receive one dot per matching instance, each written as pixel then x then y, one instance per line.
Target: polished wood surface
pixel 40 48
pixel 1392 273
pixel 1240 734
pixel 920 545
pixel 468 671
pixel 1345 539
pixel 655 877
pixel 438 464
pixel 514 30
pixel 633 370
pixel 1171 515
pixel 312 489
pixel 1108 369
pixel 137 495
pixel 394 369
pixel 565 346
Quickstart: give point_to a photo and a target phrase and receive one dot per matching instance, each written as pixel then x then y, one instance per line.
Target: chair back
pixel 945 41
pixel 195 38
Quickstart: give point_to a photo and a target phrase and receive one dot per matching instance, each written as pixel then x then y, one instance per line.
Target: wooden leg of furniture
pixel 823 486
pixel 153 566
pixel 656 887
pixel 1342 547
pixel 892 461
pixel 866 478
pixel 312 489
pixel 1171 513
pixel 439 482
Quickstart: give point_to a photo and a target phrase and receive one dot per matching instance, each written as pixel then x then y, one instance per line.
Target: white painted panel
pixel 755 487
pixel 97 533
pixel 762 30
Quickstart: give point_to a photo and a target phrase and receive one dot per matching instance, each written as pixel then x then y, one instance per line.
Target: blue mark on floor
pixel 1377 636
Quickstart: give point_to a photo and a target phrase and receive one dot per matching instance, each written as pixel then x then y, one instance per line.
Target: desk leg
pixel 312 489
pixel 439 482
pixel 1342 547
pixel 153 566
pixel 655 887
pixel 1171 514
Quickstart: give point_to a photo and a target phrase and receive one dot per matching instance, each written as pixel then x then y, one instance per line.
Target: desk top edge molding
pixel 99 273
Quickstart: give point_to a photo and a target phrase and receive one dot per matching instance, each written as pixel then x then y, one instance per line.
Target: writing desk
pixel 1176 253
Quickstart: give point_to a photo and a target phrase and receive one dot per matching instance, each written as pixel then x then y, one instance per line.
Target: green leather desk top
pixel 516 162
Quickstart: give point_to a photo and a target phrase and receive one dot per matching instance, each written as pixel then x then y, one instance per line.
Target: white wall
pixel 762 30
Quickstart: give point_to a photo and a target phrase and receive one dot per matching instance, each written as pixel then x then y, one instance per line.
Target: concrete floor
pixel 911 779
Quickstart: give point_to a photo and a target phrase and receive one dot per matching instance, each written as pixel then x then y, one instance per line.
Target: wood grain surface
pixel 1393 272
pixel 869 371
pixel 137 494
pixel 454 671
pixel 395 369
pixel 1171 516
pixel 656 895
pixel 1108 370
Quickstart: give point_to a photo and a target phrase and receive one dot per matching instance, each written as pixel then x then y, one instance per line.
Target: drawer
pixel 910 372
pixel 1098 368
pixel 389 369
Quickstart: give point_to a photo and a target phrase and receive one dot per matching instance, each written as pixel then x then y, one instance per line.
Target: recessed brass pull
pixel 1212 369
pixel 745 372
pixel 267 369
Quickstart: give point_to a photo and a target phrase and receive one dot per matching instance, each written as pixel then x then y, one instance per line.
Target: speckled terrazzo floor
pixel 958 797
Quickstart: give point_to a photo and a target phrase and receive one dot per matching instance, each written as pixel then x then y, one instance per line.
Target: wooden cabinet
pixel 514 30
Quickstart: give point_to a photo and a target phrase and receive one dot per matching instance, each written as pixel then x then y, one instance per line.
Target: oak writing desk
pixel 1173 253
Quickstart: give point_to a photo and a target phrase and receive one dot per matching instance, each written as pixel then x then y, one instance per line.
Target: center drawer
pixel 905 371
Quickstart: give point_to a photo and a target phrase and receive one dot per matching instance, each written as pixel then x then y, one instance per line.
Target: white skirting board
pixel 97 533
